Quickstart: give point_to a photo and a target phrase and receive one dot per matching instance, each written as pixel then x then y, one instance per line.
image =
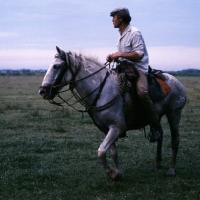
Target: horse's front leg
pixel 118 172
pixel 115 174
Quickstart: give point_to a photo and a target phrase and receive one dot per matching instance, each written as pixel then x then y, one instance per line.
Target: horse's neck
pixel 90 75
pixel 94 80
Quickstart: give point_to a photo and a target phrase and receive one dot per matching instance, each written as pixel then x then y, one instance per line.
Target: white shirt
pixel 132 41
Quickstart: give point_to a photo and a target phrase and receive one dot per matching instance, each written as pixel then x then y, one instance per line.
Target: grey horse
pixel 114 110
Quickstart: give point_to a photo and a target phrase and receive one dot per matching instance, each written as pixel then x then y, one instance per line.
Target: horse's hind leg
pixel 174 119
pixel 159 150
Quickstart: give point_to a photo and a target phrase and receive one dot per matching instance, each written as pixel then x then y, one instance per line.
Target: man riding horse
pixel 131 48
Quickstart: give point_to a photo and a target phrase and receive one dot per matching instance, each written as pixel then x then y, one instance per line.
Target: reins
pixel 79 99
pixel 71 88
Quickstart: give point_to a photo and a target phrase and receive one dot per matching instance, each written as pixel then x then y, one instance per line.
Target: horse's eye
pixel 56 66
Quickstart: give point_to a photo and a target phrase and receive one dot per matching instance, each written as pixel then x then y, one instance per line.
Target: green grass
pixel 47 152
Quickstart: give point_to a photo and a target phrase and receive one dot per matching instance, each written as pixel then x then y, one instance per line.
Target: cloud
pixel 174 57
pixel 26 59
pixel 164 58
pixel 8 34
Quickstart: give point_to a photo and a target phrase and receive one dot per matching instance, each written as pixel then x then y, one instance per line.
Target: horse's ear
pixel 58 50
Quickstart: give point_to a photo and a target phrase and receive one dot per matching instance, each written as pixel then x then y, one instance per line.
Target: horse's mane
pixel 94 59
pixel 91 58
pixel 81 57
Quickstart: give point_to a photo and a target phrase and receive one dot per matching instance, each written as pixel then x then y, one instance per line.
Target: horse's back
pixel 177 97
pixel 172 102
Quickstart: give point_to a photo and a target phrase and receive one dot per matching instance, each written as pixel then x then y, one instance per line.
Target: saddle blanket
pixel 158 88
pixel 164 86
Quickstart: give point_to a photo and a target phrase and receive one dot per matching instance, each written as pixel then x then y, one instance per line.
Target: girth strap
pixel 100 90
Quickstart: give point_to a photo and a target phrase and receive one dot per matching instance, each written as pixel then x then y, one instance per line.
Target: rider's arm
pixel 128 55
pixel 133 49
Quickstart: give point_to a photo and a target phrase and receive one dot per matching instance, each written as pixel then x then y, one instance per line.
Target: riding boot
pixel 155 128
pixel 148 106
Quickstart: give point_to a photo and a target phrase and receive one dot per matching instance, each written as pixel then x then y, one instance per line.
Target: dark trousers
pixel 147 103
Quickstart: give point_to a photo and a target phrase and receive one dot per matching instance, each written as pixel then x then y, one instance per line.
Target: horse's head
pixel 53 79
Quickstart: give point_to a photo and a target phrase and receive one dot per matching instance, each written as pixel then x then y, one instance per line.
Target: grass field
pixel 47 152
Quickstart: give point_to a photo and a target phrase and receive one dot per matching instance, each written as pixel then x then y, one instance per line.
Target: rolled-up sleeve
pixel 138 43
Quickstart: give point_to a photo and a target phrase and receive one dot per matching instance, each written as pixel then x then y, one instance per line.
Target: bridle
pixel 79 99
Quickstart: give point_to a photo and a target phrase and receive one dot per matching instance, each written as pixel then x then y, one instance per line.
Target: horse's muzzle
pixel 47 93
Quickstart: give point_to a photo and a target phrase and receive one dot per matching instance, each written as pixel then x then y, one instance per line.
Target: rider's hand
pixel 115 56
pixel 109 58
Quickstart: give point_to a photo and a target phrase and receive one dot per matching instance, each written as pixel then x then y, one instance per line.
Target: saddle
pixel 129 70
pixel 157 86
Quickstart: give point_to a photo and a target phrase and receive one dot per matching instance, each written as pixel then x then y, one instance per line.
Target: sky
pixel 31 30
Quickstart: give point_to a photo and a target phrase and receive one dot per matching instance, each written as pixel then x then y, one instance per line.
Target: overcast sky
pixel 30 30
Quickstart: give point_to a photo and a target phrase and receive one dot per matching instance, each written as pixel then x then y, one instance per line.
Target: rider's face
pixel 116 21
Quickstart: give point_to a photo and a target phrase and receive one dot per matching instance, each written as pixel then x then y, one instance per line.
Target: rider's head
pixel 122 13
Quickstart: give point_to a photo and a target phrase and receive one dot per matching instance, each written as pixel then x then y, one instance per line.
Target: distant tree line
pixel 11 72
pixel 185 72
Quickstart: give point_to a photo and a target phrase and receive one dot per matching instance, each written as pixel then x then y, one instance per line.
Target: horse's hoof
pixel 171 171
pixel 115 175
